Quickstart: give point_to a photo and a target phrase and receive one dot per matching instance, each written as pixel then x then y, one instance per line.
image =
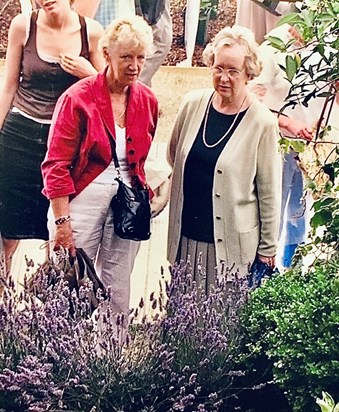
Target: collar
pixel 102 99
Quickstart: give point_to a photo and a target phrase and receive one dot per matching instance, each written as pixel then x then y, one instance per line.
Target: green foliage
pixel 209 8
pixel 293 322
pixel 312 68
pixel 323 240
pixel 312 74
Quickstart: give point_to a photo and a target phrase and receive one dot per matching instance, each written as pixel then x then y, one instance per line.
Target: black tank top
pixel 41 82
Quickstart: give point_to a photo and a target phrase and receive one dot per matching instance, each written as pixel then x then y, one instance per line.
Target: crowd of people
pixel 70 85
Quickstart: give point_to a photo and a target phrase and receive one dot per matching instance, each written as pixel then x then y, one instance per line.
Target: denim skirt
pixel 23 209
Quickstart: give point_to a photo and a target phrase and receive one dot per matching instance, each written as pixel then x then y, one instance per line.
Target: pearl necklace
pixel 210 146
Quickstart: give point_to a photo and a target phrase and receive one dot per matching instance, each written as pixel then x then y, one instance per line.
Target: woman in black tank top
pixel 60 48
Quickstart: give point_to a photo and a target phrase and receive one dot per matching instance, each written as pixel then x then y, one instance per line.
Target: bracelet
pixel 62 219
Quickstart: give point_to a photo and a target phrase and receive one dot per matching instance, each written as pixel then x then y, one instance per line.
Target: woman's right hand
pixel 78 66
pixel 64 238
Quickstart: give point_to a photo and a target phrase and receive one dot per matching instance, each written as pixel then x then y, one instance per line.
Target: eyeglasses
pixel 232 73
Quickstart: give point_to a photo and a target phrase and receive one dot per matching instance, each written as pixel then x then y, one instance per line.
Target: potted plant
pixel 208 10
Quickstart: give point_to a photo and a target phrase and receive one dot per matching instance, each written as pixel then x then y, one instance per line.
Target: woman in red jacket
pixel 78 170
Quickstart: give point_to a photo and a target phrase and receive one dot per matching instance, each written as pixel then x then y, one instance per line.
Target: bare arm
pixel 86 7
pixel 16 39
pixel 295 127
pixel 80 67
pixel 95 32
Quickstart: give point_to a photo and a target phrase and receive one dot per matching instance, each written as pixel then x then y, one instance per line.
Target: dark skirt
pixel 23 209
pixel 202 258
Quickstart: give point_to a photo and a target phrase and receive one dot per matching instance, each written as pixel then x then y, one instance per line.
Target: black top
pixel 197 214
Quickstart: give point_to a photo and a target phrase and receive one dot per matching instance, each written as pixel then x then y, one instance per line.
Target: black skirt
pixel 23 208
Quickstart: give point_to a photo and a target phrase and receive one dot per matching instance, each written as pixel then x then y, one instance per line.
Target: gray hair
pixel 230 36
pixel 131 30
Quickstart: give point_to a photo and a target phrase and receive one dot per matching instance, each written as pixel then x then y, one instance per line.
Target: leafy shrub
pixel 291 325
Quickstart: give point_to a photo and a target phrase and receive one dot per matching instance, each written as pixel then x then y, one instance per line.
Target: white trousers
pixel 92 224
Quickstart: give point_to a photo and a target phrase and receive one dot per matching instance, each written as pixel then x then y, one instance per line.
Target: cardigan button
pixel 132 165
pixel 217 195
pixel 218 217
pixel 131 152
pixel 219 240
pixel 219 171
pixel 129 140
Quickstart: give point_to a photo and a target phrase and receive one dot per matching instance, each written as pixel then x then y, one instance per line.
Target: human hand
pixel 296 127
pixel 78 66
pixel 160 199
pixel 64 238
pixel 270 260
pixel 259 90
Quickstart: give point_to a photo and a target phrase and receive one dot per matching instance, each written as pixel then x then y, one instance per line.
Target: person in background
pixel 252 15
pixel 226 181
pixel 48 51
pixel 105 11
pixel 26 6
pixel 87 7
pixel 78 171
pixel 296 122
pixel 158 15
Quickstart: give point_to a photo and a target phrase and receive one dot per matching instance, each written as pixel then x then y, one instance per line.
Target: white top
pixel 109 174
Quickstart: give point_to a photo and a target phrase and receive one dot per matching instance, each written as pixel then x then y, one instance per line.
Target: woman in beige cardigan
pixel 226 181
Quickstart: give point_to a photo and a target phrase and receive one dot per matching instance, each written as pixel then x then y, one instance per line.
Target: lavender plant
pixel 181 360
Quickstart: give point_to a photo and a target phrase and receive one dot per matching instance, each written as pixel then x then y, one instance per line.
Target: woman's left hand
pixel 76 65
pixel 270 260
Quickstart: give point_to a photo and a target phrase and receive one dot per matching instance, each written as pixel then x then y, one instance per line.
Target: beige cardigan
pixel 246 188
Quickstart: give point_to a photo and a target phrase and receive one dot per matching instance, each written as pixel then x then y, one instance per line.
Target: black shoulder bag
pixel 131 206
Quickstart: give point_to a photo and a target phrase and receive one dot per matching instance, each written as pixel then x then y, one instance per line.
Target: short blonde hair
pixel 229 36
pixel 132 30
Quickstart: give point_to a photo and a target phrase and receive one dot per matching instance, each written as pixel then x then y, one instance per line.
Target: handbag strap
pixel 114 152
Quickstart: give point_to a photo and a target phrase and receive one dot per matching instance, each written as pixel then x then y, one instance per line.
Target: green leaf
pixel 298 145
pixel 323 203
pixel 324 94
pixel 310 184
pixel 277 43
pixel 292 18
pixel 321 218
pixel 291 67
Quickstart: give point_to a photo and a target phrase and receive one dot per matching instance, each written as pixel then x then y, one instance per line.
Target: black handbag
pixel 131 212
pixel 131 207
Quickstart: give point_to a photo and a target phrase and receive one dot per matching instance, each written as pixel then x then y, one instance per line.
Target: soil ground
pixel 225 17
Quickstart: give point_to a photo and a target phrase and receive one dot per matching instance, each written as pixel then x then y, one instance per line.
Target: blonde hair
pixel 132 30
pixel 230 36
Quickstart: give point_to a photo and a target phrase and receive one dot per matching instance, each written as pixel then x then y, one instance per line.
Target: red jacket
pixel 78 144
